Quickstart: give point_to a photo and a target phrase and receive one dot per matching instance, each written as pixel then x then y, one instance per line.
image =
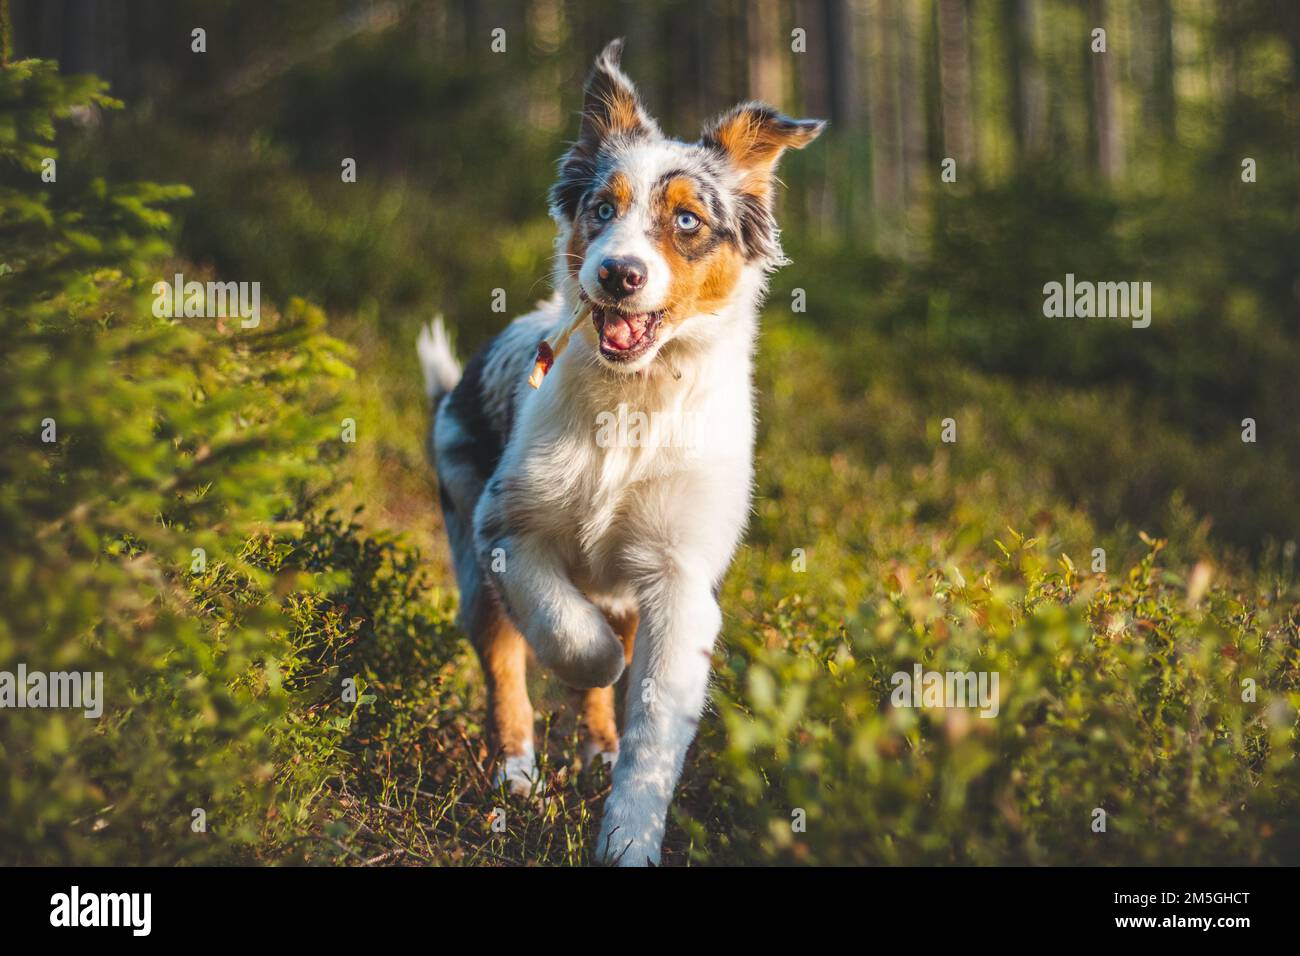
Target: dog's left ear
pixel 753 136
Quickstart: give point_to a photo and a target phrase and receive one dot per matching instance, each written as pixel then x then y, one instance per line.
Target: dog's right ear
pixel 610 104
pixel 610 107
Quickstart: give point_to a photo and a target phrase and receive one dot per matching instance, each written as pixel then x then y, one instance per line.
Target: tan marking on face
pixel 699 282
pixel 715 278
pixel 619 188
pixel 680 194
pixel 701 286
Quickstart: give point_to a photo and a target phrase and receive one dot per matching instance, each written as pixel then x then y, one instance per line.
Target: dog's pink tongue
pixel 620 332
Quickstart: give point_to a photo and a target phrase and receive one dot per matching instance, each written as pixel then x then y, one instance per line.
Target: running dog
pixel 598 548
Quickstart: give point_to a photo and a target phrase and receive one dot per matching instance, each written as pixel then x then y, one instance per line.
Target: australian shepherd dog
pixel 576 531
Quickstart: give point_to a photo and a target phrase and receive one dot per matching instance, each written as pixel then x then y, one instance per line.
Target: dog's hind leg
pixel 504 657
pixel 500 647
pixel 597 725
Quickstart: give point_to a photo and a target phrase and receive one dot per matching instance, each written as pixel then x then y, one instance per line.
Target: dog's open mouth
pixel 624 336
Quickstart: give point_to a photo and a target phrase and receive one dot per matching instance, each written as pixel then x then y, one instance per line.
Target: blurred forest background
pixel 924 302
pixel 1117 166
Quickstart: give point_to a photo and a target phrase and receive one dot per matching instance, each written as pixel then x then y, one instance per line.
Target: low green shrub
pixel 1173 713
pixel 156 527
pixel 1162 690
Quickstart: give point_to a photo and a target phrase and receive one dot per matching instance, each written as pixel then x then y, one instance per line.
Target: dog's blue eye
pixel 604 212
pixel 688 221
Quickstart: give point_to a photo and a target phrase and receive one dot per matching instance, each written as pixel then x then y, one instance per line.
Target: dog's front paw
pixel 583 650
pixel 629 835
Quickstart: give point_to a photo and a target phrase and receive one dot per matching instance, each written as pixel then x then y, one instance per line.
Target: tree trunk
pixel 955 106
pixel 766 63
pixel 1105 133
pixel 911 115
pixel 1165 67
pixel 886 153
pixel 1026 83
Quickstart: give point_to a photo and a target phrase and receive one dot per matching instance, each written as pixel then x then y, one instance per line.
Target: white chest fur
pixel 610 466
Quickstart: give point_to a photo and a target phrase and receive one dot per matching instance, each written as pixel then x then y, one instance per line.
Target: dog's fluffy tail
pixel 437 361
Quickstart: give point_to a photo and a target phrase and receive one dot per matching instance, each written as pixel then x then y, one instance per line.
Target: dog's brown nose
pixel 620 276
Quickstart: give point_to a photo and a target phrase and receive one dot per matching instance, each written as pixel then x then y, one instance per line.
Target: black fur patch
pixel 483 444
pixel 577 173
pixel 758 229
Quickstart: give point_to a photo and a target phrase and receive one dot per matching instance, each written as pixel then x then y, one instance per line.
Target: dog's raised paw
pixel 584 654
